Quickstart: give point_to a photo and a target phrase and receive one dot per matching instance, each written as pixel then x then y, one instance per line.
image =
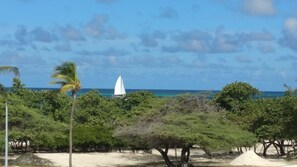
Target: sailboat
pixel 119 89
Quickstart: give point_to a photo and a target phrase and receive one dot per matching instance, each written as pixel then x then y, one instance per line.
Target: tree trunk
pixel 207 152
pixel 293 145
pixel 265 148
pixel 185 156
pixel 281 147
pixel 188 155
pixel 70 128
pixel 165 156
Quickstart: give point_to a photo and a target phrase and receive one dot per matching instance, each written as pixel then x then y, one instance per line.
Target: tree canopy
pixel 183 122
pixel 234 95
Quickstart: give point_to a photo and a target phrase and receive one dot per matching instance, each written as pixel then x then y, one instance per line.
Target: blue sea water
pixel 170 93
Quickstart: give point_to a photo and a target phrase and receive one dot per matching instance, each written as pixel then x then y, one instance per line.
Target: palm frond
pixel 58 83
pixel 62 77
pixel 11 69
pixel 65 75
pixel 67 88
pixel 67 69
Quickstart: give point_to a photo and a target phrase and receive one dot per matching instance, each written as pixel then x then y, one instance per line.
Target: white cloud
pixel 72 34
pixel 41 35
pixel 291 26
pixel 219 42
pixel 290 34
pixel 95 26
pixel 259 7
pixel 98 28
pixel 151 39
pixel 38 34
pixel 113 61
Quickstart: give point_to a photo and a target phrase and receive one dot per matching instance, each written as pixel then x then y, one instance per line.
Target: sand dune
pixel 250 158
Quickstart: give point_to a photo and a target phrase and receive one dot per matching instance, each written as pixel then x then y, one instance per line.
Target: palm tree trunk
pixel 70 128
pixel 6 134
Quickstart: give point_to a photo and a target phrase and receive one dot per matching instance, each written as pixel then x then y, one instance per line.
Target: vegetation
pixel 184 122
pixel 234 117
pixel 29 127
pixel 272 120
pixel 4 94
pixel 234 95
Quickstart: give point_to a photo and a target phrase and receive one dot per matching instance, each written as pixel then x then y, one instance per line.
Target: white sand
pixel 115 159
pixel 98 159
pixel 250 158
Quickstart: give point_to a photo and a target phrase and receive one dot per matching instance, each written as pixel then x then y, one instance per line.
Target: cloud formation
pixel 219 42
pixel 37 37
pixel 289 38
pixel 151 39
pixel 41 35
pixel 259 7
pixel 72 34
pixel 149 61
pixel 107 52
pixel 98 28
pixel 168 13
pixel 38 34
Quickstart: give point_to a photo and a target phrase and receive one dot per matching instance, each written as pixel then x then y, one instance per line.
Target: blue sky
pixel 153 44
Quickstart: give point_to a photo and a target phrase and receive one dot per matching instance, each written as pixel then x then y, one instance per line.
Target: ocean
pixel 170 93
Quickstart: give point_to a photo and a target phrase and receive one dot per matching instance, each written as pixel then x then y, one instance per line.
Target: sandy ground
pixel 100 159
pixel 141 159
pixel 116 159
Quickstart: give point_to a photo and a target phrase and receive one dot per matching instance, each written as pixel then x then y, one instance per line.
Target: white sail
pixel 119 89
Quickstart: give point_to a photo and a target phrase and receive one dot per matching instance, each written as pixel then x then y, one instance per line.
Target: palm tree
pixel 65 75
pixel 4 94
pixel 12 69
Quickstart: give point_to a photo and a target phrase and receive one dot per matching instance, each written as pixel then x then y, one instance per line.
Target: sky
pixel 153 44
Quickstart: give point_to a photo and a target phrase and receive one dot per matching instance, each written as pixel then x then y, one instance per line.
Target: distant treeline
pixel 167 93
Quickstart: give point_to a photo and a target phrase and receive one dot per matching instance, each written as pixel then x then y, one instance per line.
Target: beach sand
pixel 116 159
pixel 142 159
pixel 112 159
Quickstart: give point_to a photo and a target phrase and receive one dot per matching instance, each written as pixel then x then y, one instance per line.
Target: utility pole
pixel 6 135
